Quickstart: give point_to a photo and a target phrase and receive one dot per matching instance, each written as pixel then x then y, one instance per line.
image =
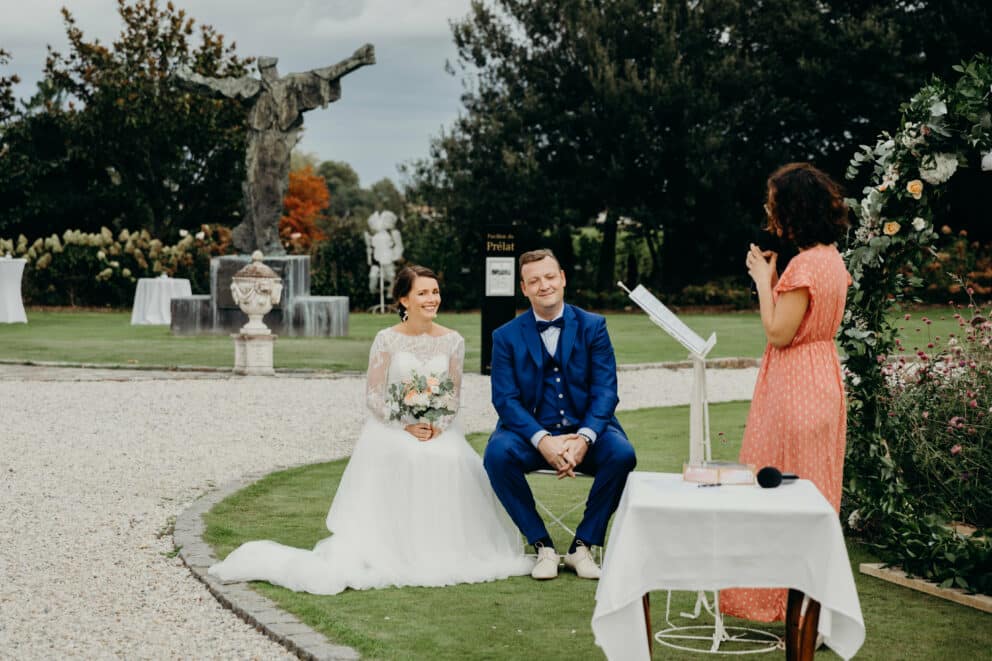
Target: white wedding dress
pixel 406 512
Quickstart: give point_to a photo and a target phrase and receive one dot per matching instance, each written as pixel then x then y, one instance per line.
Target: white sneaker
pixel 547 564
pixel 581 563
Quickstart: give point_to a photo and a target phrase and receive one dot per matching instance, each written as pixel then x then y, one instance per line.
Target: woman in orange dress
pixel 798 416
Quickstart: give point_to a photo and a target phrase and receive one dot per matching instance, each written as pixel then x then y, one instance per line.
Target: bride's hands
pixel 422 431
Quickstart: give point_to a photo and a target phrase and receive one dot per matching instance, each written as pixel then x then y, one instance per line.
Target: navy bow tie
pixel 545 325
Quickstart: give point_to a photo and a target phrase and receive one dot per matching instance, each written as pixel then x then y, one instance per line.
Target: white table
pixel 11 306
pixel 671 535
pixel 153 298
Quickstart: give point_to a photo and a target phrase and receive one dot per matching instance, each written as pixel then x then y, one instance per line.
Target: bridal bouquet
pixel 422 398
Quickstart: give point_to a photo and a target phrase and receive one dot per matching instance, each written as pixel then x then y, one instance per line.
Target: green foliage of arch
pixel 902 486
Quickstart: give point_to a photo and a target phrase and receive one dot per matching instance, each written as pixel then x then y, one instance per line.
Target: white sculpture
pixel 389 222
pixel 383 249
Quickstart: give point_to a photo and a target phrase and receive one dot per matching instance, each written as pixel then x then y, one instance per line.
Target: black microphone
pixel 770 477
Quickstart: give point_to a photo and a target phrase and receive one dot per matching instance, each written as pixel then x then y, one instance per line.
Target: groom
pixel 554 383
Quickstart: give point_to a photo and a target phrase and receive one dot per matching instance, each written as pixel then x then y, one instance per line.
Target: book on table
pixel 718 472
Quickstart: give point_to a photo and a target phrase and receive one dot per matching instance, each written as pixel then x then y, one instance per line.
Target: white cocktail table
pixel 153 298
pixel 11 305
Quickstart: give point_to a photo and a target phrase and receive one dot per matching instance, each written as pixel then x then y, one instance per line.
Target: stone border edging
pixel 982 602
pixel 223 371
pixel 260 612
pixel 715 363
pixel 114 366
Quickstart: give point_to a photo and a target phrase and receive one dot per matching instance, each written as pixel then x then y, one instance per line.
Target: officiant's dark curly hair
pixel 404 283
pixel 806 205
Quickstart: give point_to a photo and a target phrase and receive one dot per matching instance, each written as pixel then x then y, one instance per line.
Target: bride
pixel 414 506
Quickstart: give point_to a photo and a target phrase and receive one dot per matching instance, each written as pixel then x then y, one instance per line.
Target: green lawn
pixel 520 618
pixel 108 338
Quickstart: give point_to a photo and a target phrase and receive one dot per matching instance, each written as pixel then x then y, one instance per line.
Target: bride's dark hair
pixel 404 283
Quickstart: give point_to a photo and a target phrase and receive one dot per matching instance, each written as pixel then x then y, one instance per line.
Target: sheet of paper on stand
pixel 667 319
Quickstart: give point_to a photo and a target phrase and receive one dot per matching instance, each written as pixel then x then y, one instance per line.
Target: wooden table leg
pixel 793 624
pixel 801 628
pixel 646 602
pixel 808 635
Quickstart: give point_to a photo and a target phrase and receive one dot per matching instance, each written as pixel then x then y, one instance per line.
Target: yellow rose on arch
pixel 891 228
pixel 915 188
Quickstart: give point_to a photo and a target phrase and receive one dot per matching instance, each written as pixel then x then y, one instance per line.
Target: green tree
pixel 7 102
pixel 581 107
pixel 129 147
pixel 339 263
pixel 386 196
pixel 671 112
pixel 348 199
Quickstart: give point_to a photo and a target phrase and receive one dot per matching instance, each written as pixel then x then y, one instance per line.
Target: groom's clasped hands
pixel 563 453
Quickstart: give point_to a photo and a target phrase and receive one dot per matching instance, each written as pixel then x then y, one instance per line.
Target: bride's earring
pixel 406 315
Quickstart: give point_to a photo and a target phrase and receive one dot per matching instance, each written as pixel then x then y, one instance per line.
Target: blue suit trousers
pixel 509 457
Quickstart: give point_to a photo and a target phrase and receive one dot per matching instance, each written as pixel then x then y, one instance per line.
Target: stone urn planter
pixel 256 288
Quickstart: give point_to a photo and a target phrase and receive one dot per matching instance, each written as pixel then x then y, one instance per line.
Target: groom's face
pixel 543 283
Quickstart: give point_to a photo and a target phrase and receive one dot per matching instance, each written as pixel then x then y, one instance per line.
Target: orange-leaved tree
pixel 306 200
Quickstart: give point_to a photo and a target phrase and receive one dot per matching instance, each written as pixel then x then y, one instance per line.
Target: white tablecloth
pixel 11 306
pixel 672 535
pixel 153 297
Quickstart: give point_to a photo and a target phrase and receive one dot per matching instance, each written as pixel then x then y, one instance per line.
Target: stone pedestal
pixel 253 354
pixel 297 313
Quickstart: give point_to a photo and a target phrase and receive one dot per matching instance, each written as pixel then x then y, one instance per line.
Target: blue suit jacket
pixel 588 362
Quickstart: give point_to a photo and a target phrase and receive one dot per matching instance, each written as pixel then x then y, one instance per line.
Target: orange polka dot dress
pixel 798 416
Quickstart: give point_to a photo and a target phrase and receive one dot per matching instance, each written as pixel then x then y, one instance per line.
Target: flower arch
pixel 944 128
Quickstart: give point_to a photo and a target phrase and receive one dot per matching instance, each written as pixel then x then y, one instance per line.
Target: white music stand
pixel 699 413
pixel 699 451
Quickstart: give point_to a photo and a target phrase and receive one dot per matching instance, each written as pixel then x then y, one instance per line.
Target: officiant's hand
pixel 422 431
pixel 761 265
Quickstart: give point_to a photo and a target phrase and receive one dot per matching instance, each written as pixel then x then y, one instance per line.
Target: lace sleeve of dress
pixel 375 385
pixel 456 364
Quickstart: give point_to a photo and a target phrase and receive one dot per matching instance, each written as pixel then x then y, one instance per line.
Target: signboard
pixel 500 276
pixel 499 286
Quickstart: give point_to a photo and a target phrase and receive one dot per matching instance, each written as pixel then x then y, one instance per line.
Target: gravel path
pixel 94 464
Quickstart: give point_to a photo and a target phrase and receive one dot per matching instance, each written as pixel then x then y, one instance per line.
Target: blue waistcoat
pixel 555 410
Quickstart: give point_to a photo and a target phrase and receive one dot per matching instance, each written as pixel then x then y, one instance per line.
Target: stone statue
pixel 275 108
pixel 383 248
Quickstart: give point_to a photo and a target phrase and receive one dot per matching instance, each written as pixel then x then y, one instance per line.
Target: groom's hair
pixel 536 256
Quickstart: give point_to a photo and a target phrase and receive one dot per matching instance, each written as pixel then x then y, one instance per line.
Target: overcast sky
pixel 387 112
